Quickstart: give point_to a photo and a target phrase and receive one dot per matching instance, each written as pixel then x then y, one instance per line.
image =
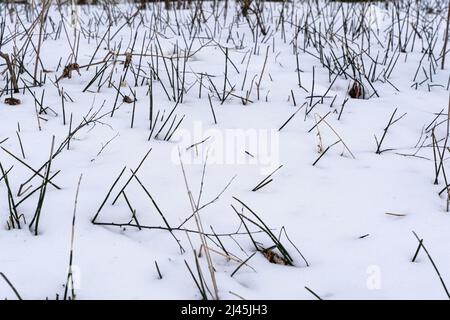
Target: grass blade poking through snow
pixel 313 293
pixel 131 177
pixel 108 194
pixel 70 272
pixel 243 263
pixel 194 207
pixel 11 286
pixel 14 219
pixel 286 256
pixel 45 181
pixel 266 180
pixel 432 262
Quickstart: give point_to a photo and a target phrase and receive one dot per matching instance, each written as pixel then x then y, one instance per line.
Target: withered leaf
pixel 355 91
pixel 274 257
pixel 127 99
pixel 12 101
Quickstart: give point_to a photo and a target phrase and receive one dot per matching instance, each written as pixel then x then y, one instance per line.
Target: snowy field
pixel 289 150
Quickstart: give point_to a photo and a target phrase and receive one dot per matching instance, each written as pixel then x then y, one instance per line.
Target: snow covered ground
pixel 349 210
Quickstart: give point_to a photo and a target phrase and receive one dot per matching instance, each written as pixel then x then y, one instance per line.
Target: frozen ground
pixel 351 215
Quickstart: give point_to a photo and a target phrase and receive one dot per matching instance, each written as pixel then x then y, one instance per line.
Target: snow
pixel 325 208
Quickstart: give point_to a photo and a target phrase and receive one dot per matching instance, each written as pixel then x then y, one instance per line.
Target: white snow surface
pixel 335 212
